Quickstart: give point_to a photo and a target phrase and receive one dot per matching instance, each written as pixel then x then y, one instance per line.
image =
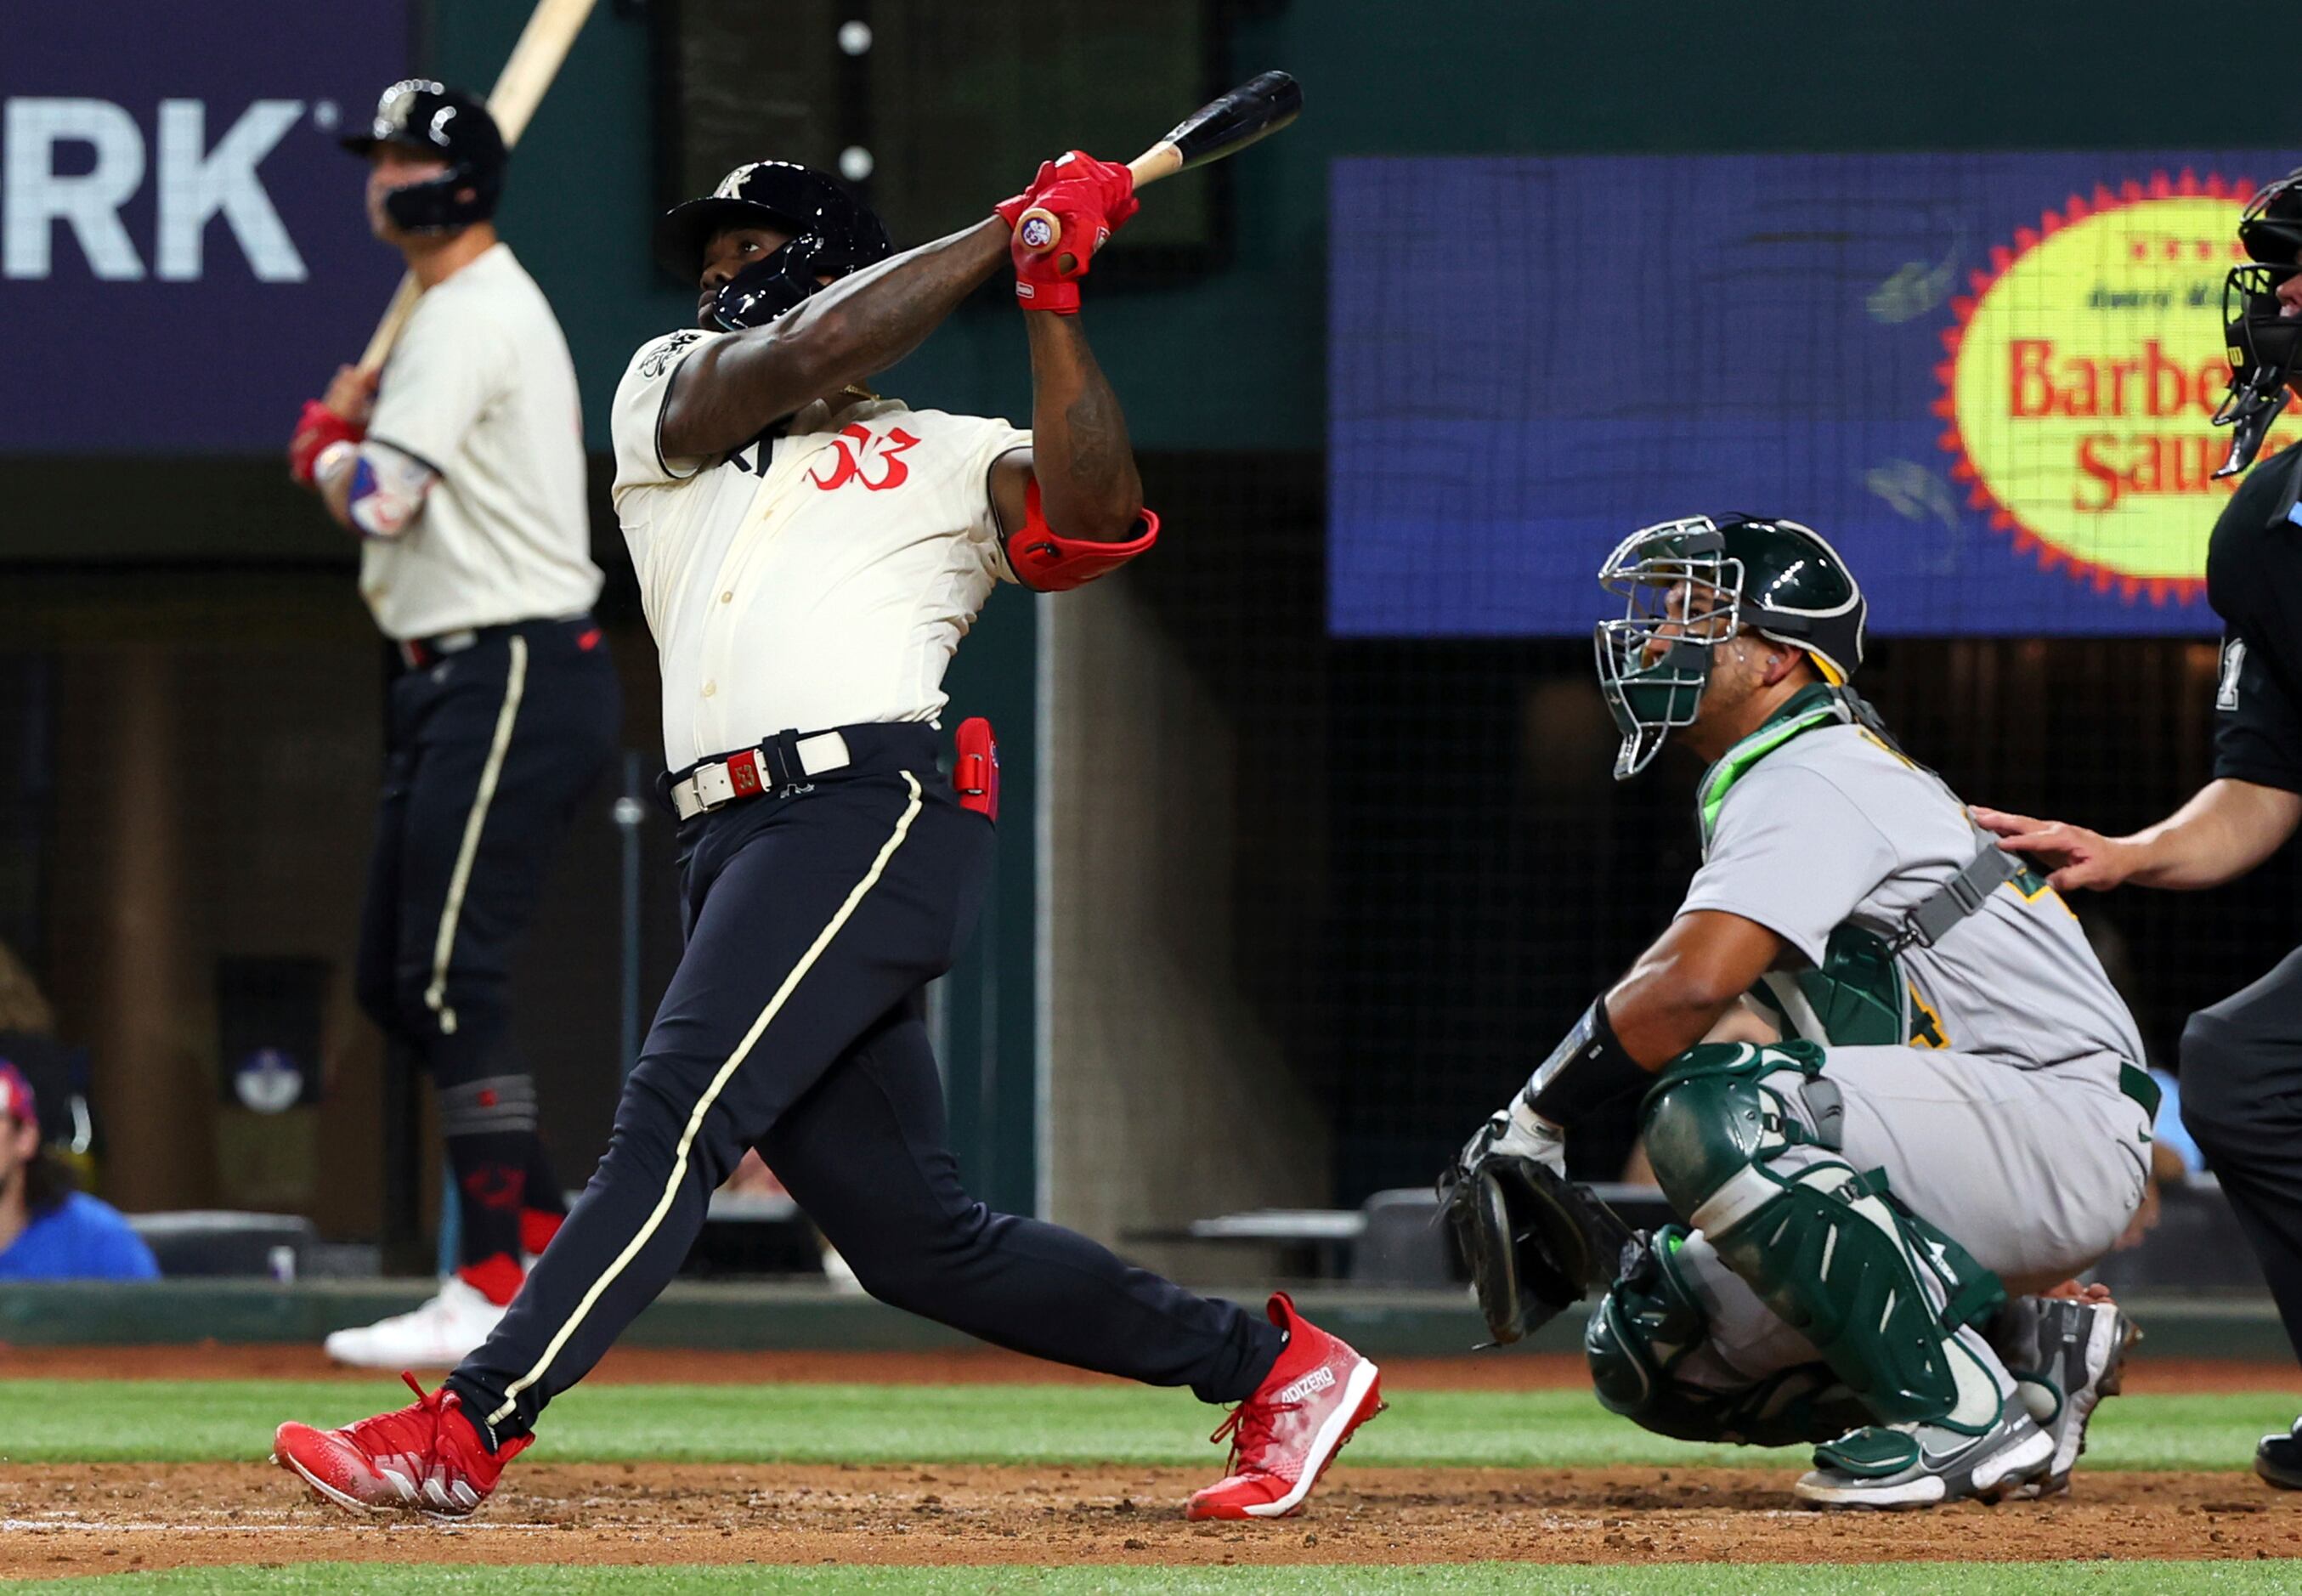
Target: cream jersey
pixel 480 392
pixel 818 578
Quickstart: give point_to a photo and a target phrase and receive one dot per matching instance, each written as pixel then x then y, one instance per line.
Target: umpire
pixel 2242 1058
pixel 461 471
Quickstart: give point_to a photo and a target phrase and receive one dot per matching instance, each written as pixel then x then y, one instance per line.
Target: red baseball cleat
pixel 426 1457
pixel 1283 1437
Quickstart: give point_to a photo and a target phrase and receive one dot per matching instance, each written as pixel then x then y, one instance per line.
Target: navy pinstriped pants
pixel 491 751
pixel 815 917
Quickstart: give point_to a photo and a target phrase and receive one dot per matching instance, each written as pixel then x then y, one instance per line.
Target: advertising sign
pixel 184 253
pixel 1988 378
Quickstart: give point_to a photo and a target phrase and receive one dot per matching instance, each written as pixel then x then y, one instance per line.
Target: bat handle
pixel 1162 159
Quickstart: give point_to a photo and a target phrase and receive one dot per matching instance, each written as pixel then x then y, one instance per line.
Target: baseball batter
pixel 461 471
pixel 810 555
pixel 1948 1104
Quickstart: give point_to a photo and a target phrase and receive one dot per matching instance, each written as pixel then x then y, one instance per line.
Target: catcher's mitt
pixel 1535 1242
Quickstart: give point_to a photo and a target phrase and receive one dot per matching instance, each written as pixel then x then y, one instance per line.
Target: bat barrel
pixel 1257 109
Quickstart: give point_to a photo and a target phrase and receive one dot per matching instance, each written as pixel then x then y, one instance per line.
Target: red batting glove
pixel 317 427
pixel 1114 182
pixel 1090 200
pixel 1011 211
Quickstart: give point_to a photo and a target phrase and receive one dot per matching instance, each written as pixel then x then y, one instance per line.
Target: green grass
pixel 194 1421
pixel 1446 1579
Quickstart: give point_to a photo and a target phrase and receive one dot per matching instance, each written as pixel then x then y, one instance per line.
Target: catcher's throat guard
pixel 1535 1242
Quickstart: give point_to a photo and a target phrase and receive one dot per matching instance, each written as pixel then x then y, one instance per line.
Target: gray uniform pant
pixel 2036 1172
pixel 2242 1100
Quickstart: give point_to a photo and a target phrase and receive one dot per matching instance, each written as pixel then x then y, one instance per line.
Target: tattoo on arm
pixel 1088 486
pixel 1099 451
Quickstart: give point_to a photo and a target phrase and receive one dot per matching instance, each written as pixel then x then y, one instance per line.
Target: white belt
pixel 746 775
pixel 417 652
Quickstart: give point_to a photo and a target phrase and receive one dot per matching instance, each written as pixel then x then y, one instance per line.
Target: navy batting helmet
pixel 832 233
pixel 419 114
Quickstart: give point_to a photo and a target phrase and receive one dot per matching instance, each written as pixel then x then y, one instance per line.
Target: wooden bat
pixel 535 60
pixel 1224 126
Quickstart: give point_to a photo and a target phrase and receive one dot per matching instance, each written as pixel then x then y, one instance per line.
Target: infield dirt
pixel 98 1518
pixel 88 1518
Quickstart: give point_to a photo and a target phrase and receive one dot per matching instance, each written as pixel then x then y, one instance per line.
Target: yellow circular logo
pixel 2082 371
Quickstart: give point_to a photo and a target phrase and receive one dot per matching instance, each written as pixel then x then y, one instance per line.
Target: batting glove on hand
pixel 1072 206
pixel 316 429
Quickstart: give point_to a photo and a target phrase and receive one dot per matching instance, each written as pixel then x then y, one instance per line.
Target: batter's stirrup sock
pixel 490 1130
pixel 537 1228
pixel 498 1279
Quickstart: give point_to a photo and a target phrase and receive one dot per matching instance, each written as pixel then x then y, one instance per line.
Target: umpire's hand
pixel 2076 857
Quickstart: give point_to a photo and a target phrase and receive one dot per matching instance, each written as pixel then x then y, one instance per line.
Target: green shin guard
pixel 1882 1295
pixel 1644 1343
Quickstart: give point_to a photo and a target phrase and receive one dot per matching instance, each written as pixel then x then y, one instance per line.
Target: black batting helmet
pixel 832 233
pixel 420 114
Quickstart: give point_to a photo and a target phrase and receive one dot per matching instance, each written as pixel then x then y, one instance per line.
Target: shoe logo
pixel 1318 1380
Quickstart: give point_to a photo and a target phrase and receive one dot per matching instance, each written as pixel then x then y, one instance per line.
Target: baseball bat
pixel 1224 126
pixel 535 60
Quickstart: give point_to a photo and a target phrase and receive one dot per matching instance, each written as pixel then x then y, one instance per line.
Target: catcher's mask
pixel 1689 585
pixel 2262 342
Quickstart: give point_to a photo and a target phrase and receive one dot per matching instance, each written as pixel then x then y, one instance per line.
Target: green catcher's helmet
pixel 1691 585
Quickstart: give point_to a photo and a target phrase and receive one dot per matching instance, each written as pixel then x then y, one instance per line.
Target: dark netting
pixel 1434 872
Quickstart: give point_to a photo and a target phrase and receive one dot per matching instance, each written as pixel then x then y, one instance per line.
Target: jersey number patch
pixel 859 450
pixel 2233 667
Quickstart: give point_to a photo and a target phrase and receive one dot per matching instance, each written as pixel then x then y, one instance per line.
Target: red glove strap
pixel 1058 294
pixel 317 427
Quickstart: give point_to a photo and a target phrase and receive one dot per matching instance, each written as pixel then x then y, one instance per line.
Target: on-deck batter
pixel 462 475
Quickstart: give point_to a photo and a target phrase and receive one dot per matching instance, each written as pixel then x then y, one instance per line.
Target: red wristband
pixel 1062 297
pixel 317 427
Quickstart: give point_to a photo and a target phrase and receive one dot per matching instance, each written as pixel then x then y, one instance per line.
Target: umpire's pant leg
pixel 867 1155
pixel 820 925
pixel 2241 1083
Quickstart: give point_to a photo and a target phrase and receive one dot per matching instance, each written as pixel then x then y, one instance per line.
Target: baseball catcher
pixel 1883 1078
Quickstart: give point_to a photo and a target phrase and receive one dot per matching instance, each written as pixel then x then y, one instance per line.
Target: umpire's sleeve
pixel 2257 728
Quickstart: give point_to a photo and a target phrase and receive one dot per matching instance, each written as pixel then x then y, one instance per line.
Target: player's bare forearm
pixel 1089 486
pixel 2224 831
pixel 731 388
pixel 1682 986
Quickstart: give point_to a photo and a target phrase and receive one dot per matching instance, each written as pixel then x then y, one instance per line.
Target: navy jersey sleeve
pixel 2253 580
pixel 2257 731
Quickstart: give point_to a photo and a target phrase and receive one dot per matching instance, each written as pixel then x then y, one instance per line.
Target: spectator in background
pixel 48 1230
pixel 27 1027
